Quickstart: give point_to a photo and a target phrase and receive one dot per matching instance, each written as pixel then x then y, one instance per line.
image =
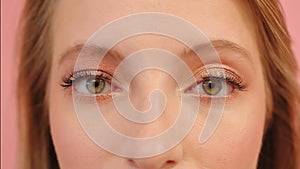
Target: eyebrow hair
pixel 90 48
pixel 217 44
pixel 226 44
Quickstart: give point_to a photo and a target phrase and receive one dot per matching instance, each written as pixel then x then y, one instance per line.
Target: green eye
pixel 95 86
pixel 212 87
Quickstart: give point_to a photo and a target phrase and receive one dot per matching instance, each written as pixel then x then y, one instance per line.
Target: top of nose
pixel 167 160
pixel 145 82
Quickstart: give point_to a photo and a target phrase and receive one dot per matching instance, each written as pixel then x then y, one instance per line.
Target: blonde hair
pixel 35 64
pixel 281 140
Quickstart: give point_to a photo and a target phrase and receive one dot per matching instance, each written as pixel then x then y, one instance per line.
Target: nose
pixel 147 81
pixel 141 86
pixel 167 160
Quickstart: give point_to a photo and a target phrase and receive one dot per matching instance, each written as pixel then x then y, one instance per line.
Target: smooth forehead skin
pixel 236 142
pixel 77 20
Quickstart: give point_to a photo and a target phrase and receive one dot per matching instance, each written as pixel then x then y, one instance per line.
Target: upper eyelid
pixel 221 75
pixel 205 72
pixel 220 71
pixel 90 72
pixel 76 75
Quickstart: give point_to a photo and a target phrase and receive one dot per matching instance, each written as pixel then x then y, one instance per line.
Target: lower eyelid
pixel 224 82
pixel 92 99
pixel 210 72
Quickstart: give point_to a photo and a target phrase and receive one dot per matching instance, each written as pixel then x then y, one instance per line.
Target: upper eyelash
pixel 223 74
pixel 205 74
pixel 237 85
pixel 73 76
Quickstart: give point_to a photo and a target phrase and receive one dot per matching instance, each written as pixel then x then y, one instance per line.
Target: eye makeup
pixel 207 77
pixel 84 91
pixel 222 72
pixel 73 76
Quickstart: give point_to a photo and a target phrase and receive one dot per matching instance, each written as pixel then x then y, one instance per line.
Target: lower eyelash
pixel 205 74
pixel 237 85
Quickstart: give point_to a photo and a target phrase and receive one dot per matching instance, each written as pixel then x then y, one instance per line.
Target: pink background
pixel 9 24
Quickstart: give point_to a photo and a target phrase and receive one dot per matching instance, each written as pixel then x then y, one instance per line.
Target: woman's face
pixel 235 143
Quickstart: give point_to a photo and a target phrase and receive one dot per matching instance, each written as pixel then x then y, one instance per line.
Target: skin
pixel 237 140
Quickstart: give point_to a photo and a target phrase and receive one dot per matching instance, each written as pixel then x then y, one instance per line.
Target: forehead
pixel 75 20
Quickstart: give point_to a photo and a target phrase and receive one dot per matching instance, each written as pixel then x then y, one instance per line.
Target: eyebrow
pixel 226 44
pixel 220 44
pixel 75 50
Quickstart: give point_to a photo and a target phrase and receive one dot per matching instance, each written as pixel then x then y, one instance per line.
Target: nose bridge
pixel 146 82
pixel 140 89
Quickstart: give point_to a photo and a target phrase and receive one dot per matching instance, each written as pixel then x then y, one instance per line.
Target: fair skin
pixel 236 142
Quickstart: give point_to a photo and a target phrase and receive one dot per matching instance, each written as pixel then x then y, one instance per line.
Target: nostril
pixel 132 163
pixel 166 160
pixel 170 162
pixel 138 165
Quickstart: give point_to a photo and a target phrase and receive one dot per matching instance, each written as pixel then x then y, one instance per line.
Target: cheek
pixel 236 143
pixel 73 147
pixel 243 140
pixel 238 138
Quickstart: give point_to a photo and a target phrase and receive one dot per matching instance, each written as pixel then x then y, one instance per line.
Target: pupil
pixel 96 83
pixel 211 85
